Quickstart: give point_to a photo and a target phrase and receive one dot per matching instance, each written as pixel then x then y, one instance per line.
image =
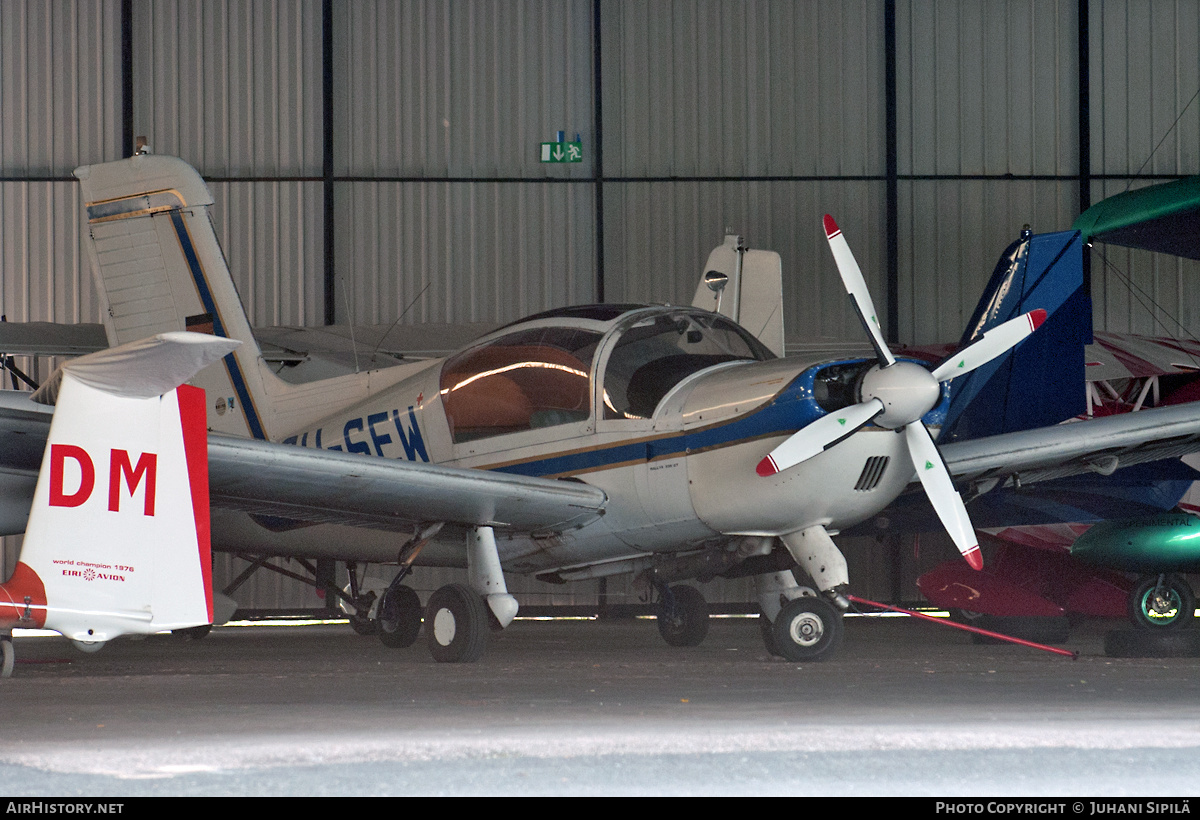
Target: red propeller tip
pixel 1036 317
pixel 974 557
pixel 831 228
pixel 766 467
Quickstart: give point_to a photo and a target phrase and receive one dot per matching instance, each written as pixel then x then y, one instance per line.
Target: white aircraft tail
pixel 118 535
pixel 160 269
pixel 747 286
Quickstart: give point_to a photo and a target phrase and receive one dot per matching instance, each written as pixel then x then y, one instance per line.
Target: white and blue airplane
pixel 667 442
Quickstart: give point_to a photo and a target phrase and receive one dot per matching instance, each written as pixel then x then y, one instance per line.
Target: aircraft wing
pixel 24 425
pixel 322 486
pixel 1098 445
pixel 1164 218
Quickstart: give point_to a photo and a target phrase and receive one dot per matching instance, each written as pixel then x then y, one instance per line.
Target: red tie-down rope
pixel 975 629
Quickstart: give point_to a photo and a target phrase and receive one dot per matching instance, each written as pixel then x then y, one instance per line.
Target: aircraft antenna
pixel 403 313
pixel 350 313
pixel 1164 138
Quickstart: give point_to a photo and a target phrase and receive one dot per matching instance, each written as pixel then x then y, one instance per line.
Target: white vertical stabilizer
pixel 159 269
pixel 118 535
pixel 751 292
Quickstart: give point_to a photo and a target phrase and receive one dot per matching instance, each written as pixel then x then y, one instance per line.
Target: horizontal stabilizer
pixel 141 369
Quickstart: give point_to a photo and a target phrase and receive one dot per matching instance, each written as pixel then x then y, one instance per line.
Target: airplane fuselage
pixel 678 466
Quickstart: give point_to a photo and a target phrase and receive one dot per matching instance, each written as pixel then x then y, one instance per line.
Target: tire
pixel 399 620
pixel 1143 643
pixel 807 629
pixel 1171 607
pixel 768 635
pixel 686 622
pixel 8 657
pixel 457 620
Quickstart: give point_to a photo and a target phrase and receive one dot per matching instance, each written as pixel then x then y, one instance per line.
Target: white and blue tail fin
pixel 747 286
pixel 118 535
pixel 159 268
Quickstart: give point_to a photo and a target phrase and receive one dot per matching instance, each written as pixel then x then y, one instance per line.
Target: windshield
pixel 523 381
pixel 656 354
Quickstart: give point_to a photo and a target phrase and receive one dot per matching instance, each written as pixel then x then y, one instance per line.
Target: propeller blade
pixel 856 286
pixel 939 487
pixel 996 342
pixel 819 436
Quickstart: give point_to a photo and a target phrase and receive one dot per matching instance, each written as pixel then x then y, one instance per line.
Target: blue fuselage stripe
pixel 210 307
pixel 791 410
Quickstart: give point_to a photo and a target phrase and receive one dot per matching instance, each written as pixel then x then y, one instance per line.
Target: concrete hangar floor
pixel 605 708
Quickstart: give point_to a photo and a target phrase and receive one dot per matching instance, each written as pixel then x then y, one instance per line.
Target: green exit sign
pixel 562 151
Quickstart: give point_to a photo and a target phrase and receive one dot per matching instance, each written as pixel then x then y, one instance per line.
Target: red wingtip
pixel 766 467
pixel 1036 317
pixel 831 228
pixel 974 557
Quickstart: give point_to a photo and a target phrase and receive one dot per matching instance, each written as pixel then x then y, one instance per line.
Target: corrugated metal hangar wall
pixel 361 151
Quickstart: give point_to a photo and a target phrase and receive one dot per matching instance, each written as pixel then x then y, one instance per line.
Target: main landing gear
pixel 457 617
pixel 682 615
pixel 456 620
pixel 801 627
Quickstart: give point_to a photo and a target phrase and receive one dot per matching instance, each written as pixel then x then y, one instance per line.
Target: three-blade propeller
pixel 896 395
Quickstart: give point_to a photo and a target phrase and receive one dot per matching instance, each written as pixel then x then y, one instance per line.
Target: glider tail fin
pixel 159 268
pixel 118 536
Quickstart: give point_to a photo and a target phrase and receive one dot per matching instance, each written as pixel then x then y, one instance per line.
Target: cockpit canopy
pixel 532 377
pixel 654 353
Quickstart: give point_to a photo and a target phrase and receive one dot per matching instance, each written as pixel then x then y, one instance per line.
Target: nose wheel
pixel 807 629
pixel 682 616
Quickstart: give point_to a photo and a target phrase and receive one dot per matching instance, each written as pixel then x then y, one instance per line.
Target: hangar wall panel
pixel 1145 76
pixel 658 236
pixel 274 242
pixel 987 88
pixel 489 251
pixel 1145 72
pixel 952 232
pixel 464 89
pixel 60 85
pixel 1137 291
pixel 771 88
pixel 46 274
pixel 231 86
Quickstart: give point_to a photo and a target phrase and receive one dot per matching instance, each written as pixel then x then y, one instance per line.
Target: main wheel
pixel 683 616
pixel 399 620
pixel 457 624
pixel 807 629
pixel 767 630
pixel 8 657
pixel 1170 605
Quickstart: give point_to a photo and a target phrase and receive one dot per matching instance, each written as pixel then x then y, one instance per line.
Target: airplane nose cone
pixel 907 390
